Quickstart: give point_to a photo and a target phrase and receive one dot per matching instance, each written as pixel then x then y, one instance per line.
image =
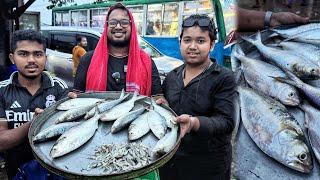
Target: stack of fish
pixel 141 116
pixel 277 77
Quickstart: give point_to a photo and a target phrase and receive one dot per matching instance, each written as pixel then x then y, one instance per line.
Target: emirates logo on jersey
pixel 51 99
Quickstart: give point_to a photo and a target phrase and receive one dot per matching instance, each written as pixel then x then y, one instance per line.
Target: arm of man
pixel 10 138
pixel 253 20
pixel 156 82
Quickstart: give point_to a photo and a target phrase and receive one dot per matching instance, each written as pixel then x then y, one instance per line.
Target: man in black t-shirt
pixel 126 65
pixel 118 62
pixel 27 89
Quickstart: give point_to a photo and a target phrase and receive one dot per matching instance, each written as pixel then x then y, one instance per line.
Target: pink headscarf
pixel 139 72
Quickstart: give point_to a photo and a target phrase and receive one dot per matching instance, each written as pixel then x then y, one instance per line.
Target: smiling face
pixel 30 58
pixel 119 36
pixel 195 45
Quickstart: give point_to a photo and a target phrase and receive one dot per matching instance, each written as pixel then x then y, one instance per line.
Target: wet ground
pixel 310 8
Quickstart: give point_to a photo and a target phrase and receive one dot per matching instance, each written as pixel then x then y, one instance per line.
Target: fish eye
pixel 291 94
pixel 303 156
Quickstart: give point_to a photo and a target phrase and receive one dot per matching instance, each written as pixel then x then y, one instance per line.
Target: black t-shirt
pixel 116 74
pixel 17 105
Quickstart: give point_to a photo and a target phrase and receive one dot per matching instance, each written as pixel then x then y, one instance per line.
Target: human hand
pixel 72 95
pixel 37 111
pixel 187 123
pixel 161 100
pixel 283 18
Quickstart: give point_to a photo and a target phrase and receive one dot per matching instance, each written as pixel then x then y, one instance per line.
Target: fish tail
pixel 239 77
pixel 122 94
pixel 255 41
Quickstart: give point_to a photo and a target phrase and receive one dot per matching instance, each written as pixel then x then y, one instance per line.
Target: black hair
pixel 116 6
pixel 79 38
pixel 28 35
pixel 210 27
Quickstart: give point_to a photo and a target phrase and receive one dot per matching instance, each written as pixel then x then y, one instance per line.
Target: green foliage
pixel 58 3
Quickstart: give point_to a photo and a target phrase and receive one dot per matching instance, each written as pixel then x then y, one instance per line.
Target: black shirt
pixel 17 105
pixel 209 96
pixel 116 66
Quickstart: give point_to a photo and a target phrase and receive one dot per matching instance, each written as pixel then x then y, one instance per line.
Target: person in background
pixel 201 92
pixel 22 96
pixel 157 27
pixel 118 62
pixel 150 30
pixel 78 51
pixel 174 24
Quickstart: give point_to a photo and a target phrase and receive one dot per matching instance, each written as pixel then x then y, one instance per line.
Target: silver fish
pixel 53 130
pixel 75 137
pixel 285 59
pixel 314 82
pixel 139 127
pixel 261 80
pixel 126 119
pixel 102 107
pixel 77 103
pixel 312 93
pixel 73 114
pixel 297 30
pixel 310 52
pixel 311 37
pixel 157 124
pixel 313 124
pixel 274 130
pixel 120 109
pixel 165 144
pixel 91 113
pixel 168 116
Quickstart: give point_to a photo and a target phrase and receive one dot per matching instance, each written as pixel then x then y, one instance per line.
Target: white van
pixel 61 40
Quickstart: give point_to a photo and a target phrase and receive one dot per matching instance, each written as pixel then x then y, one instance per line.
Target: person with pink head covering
pixel 117 61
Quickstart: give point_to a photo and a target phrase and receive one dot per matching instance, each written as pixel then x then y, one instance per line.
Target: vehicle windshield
pixel 149 49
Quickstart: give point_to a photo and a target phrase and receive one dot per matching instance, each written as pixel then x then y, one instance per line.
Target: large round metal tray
pixel 74 164
pixel 249 161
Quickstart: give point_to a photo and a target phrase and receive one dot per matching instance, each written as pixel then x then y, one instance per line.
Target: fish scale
pixel 274 130
pixel 126 119
pixel 54 130
pixel 285 59
pixel 120 109
pixel 312 93
pixel 75 137
pixel 261 80
pixel 311 52
pixel 139 127
pixel 297 30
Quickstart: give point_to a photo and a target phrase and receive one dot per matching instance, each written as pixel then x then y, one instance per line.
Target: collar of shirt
pixel 46 80
pixel 213 68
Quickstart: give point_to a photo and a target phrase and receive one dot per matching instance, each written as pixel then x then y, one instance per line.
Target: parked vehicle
pixel 61 40
pixel 162 13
